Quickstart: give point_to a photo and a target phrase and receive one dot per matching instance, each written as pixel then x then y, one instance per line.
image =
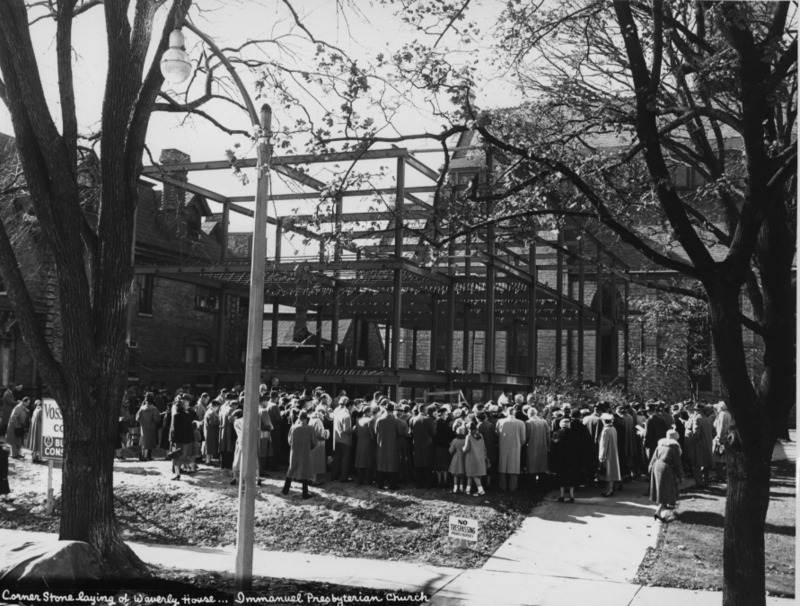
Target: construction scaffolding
pixel 485 309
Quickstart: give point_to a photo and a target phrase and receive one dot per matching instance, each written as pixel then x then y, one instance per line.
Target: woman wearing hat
pixel 666 472
pixel 608 455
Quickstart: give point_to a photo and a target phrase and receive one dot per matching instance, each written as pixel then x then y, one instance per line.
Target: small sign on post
pixel 52 443
pixel 463 529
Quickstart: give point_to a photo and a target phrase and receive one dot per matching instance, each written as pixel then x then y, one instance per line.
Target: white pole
pixel 243 579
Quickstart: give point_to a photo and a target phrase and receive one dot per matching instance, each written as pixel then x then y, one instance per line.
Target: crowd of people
pixel 522 441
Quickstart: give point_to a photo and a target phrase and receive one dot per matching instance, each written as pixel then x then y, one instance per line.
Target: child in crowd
pixel 475 459
pixel 457 461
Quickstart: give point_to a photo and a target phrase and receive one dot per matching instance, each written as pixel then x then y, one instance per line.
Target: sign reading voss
pixel 465 529
pixel 52 431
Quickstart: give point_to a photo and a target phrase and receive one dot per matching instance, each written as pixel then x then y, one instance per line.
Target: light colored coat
pixel 35 432
pixel 474 456
pixel 457 467
pixel 510 437
pixel 722 427
pixel 608 454
pixel 19 418
pixel 302 441
pixel 537 436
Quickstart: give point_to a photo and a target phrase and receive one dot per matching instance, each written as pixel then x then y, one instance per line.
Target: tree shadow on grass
pixel 717 520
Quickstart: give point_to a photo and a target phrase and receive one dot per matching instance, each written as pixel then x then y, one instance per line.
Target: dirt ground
pixel 343 519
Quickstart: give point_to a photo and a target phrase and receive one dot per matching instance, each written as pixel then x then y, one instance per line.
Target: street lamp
pixel 175 65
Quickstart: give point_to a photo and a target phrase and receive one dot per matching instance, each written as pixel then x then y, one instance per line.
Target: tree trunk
pixel 748 454
pixel 745 515
pixel 87 497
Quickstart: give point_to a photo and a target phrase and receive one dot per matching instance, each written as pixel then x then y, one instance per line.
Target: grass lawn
pixel 689 552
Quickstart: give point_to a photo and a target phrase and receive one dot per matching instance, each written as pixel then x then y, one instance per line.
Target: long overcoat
pixel 365 444
pixel 475 456
pixel 537 437
pixel 35 432
pixel 389 431
pixel 318 454
pixel 211 430
pixel 19 418
pixel 699 440
pixel 227 435
pixel 148 418
pixel 722 427
pixel 510 438
pixel 609 454
pixel 423 429
pixel 302 441
pixel 666 470
pixel 567 455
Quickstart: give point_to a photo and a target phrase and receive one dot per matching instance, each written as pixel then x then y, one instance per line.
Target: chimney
pixel 171 209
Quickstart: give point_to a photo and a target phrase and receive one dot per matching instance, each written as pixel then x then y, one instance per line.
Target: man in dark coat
pixel 654 429
pixel 423 429
pixel 389 430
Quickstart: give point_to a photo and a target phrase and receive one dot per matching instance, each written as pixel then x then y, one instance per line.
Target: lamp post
pixel 176 68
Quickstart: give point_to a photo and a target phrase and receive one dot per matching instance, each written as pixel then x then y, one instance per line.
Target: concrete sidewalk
pixel 564 554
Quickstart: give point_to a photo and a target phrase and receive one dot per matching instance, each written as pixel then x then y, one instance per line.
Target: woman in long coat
pixel 227 435
pixel 722 427
pixel 211 431
pixel 444 434
pixel 148 418
pixel 35 433
pixel 666 472
pixel 302 441
pixel 366 447
pixel 16 428
pixel 608 456
pixel 423 430
pixel 182 436
pixel 318 455
pixel 566 457
pixel 537 437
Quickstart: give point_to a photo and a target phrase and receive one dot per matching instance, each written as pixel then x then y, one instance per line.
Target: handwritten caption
pixel 152 599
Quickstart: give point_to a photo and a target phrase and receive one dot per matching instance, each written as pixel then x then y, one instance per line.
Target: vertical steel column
pixel 275 301
pixel 598 324
pixel 397 308
pixel 560 300
pixel 627 332
pixel 226 213
pixel 337 259
pixel 434 330
pixel 532 333
pixel 581 310
pixel 466 354
pixel 491 286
